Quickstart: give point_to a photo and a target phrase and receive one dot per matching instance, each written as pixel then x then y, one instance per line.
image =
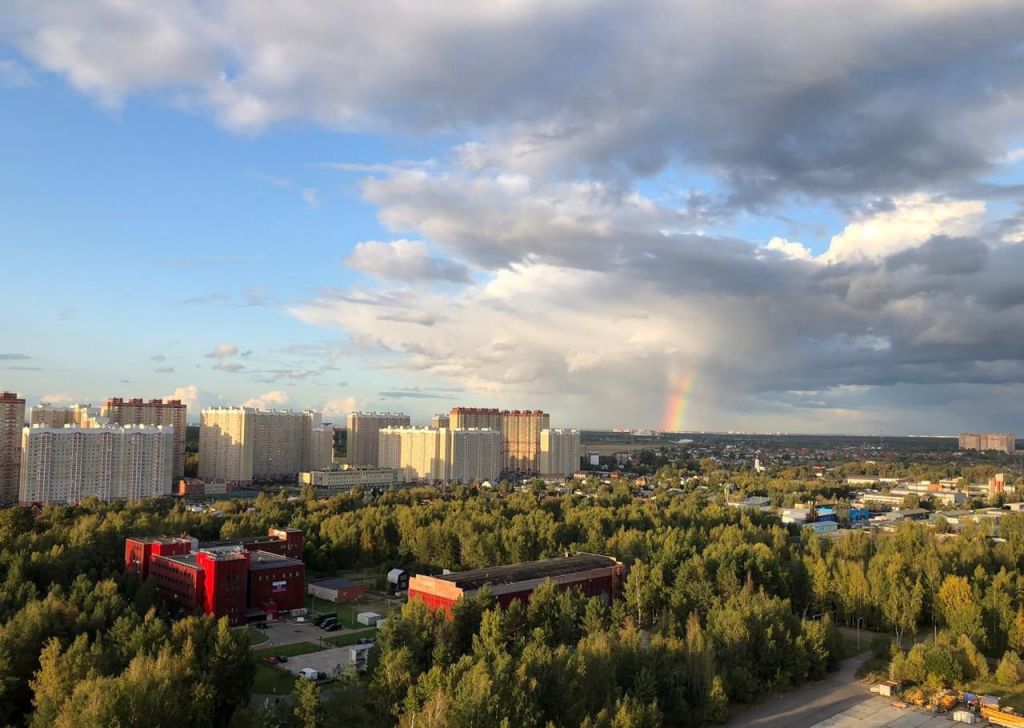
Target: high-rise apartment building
pixel 70 463
pixel 520 434
pixel 559 452
pixel 240 445
pixel 418 453
pixel 154 412
pixel 319 450
pixel 439 421
pixel 79 415
pixel 474 454
pixel 481 418
pixel 440 455
pixel 12 419
pixel 363 429
pixel 1003 442
pixel 226 437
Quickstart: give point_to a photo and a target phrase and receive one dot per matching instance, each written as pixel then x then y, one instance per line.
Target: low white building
pixel 339 478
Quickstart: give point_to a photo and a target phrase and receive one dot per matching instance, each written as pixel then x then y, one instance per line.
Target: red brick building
pixel 594 575
pixel 239 579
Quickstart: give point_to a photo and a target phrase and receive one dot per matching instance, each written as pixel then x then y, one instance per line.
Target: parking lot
pixel 877 712
pixel 325 661
pixel 290 632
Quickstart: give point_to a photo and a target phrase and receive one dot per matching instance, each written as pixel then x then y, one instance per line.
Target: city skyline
pixel 801 219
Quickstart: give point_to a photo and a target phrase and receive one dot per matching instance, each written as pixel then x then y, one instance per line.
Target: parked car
pixel 282 658
pixel 364 641
pixel 270 660
pixel 332 627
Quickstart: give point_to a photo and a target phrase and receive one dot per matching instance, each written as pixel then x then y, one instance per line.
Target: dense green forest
pixel 720 608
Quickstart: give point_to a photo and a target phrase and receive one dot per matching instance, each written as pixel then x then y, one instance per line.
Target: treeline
pixel 720 607
pixel 81 644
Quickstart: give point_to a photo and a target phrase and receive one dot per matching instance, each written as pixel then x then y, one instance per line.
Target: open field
pixel 272 681
pixel 351 638
pixel 256 637
pixel 296 648
pixel 347 612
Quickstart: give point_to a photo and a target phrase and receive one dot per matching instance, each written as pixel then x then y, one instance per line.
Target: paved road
pixel 810 703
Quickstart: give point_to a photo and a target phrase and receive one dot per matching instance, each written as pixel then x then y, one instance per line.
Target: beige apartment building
pixel 520 434
pixel 240 445
pixel 439 421
pixel 363 429
pixel 1003 442
pixel 559 452
pixel 49 415
pixel 70 463
pixel 156 413
pixel 12 420
pixel 427 454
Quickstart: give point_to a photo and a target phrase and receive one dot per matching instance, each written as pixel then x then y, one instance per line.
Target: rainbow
pixel 675 407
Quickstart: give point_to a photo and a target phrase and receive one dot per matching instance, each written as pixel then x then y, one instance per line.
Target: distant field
pixel 610 448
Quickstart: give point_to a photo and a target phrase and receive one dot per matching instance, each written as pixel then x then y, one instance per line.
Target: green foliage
pixel 309 713
pixel 1011 670
pixel 715 598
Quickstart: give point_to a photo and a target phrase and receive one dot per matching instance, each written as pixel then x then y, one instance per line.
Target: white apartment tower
pixel 68 464
pixel 431 455
pixel 475 455
pixel 240 445
pixel 363 430
pixel 153 412
pixel 12 419
pixel 559 452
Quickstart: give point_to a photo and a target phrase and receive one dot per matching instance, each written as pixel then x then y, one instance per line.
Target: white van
pixel 309 673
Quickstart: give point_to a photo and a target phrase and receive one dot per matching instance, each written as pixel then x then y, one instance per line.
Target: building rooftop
pixel 165 540
pixel 266 560
pixel 529 570
pixel 248 541
pixel 188 560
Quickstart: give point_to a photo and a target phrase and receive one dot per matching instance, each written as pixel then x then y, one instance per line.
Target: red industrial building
pixel 594 575
pixel 242 580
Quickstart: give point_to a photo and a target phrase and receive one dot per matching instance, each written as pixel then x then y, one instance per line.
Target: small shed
pixel 336 590
pixel 886 688
pixel 398 580
pixel 370 619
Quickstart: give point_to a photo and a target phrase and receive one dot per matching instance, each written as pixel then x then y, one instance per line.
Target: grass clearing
pixel 351 638
pixel 257 638
pixel 298 648
pixel 273 681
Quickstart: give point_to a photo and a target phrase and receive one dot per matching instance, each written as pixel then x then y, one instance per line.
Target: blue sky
pixel 815 217
pixel 144 232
